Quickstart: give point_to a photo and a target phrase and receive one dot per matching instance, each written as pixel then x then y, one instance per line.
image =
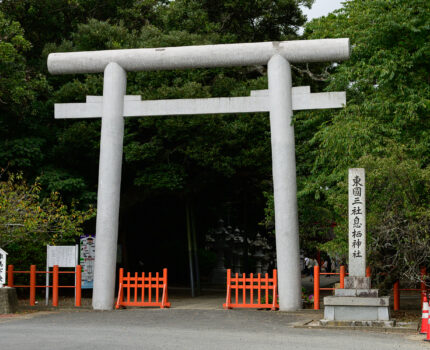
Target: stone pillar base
pixel 357 302
pixel 8 300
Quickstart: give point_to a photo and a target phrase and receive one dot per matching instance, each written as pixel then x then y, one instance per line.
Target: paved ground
pixel 191 323
pixel 198 327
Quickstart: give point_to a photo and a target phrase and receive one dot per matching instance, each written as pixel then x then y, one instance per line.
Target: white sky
pixel 322 8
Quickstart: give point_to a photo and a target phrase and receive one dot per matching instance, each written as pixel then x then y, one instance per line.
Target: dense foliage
pixel 29 222
pixel 219 164
pixel 384 128
pixel 222 164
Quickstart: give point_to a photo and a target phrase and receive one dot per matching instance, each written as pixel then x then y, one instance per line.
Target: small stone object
pixel 8 300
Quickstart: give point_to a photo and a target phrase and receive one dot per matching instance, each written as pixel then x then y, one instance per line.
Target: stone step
pixel 347 308
pixel 354 301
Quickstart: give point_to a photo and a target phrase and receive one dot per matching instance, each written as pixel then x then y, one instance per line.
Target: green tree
pixel 29 222
pixel 384 128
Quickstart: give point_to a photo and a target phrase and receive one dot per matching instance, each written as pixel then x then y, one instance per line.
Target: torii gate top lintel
pixel 201 56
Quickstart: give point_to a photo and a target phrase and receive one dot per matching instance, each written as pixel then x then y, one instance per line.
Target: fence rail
pixel 397 290
pixel 55 282
pixel 342 273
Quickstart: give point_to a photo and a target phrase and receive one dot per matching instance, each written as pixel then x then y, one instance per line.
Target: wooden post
pixel 55 286
pixel 78 285
pixel 368 272
pixel 396 294
pixel 342 277
pixel 32 285
pixel 316 287
pixel 121 285
pixel 164 296
pixel 10 276
pixel 275 288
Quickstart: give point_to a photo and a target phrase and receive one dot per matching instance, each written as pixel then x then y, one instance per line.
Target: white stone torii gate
pixel 280 100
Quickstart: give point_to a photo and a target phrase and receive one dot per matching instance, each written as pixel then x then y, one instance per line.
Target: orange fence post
pixel 316 287
pixel 275 288
pixel 342 277
pixel 228 297
pixel 165 302
pixel 10 276
pixel 120 298
pixel 78 285
pixel 55 286
pixel 368 272
pixel 32 285
pixel 423 272
pixel 121 282
pixel 396 295
pixel 167 291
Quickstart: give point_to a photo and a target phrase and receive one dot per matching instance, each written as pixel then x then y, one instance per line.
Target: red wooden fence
pixel 55 282
pixel 252 292
pixel 397 289
pixel 142 291
pixel 317 287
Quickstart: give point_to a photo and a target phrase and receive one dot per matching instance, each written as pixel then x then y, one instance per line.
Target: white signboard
pixel 2 267
pixel 87 257
pixel 357 222
pixel 61 255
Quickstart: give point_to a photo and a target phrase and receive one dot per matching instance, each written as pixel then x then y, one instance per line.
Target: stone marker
pixel 8 299
pixel 357 222
pixel 357 302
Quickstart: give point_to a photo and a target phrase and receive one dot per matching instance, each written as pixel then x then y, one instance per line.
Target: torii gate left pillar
pixel 108 195
pixel 115 63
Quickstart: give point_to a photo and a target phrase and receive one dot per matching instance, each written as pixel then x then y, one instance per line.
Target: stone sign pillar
pixel 357 222
pixel 357 302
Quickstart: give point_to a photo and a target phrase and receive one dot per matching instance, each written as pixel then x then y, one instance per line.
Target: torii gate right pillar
pixel 284 183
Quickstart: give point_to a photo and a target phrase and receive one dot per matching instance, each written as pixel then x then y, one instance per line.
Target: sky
pixel 321 8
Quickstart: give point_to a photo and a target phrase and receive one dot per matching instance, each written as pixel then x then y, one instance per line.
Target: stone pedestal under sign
pixel 357 301
pixel 8 300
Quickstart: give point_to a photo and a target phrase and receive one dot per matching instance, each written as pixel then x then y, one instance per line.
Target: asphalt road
pixel 185 329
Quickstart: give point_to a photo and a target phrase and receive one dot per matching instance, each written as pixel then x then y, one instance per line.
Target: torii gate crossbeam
pixel 279 101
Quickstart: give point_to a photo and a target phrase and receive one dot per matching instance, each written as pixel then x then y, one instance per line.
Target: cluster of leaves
pixel 29 222
pixel 384 128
